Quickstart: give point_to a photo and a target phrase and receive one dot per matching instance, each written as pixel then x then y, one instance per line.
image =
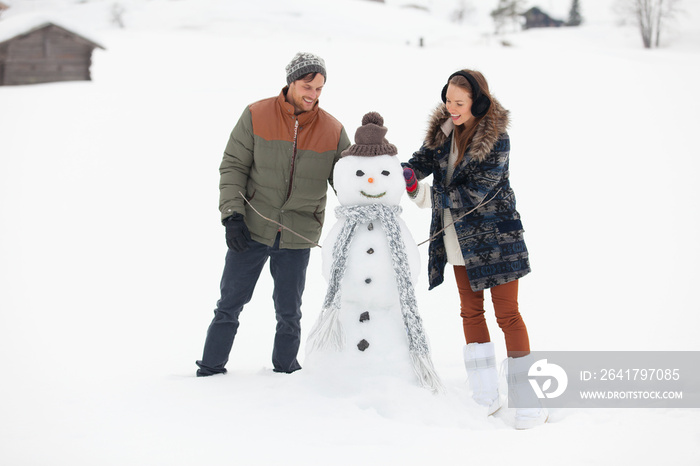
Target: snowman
pixel 370 325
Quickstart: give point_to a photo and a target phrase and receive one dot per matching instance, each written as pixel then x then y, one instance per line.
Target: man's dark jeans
pixel 241 273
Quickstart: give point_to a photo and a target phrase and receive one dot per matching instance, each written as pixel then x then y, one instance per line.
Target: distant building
pixel 43 53
pixel 536 18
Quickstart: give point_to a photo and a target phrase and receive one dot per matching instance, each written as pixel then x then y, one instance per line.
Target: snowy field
pixel 111 248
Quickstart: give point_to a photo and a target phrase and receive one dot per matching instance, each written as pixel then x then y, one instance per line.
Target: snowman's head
pixel 369 172
pixel 360 180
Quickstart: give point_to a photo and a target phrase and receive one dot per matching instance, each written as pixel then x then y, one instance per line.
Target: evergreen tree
pixel 574 14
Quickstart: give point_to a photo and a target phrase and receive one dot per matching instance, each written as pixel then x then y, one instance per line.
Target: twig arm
pixel 277 223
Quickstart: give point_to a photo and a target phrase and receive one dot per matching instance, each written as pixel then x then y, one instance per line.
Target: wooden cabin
pixel 536 18
pixel 44 53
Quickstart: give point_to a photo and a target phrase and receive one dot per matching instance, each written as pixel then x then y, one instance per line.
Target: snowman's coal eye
pixel 360 173
pixel 385 173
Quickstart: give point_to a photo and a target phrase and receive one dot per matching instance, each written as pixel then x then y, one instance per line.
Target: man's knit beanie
pixel 369 138
pixel 305 63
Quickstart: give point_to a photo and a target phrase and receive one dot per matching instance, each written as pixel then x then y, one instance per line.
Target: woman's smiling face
pixel 459 104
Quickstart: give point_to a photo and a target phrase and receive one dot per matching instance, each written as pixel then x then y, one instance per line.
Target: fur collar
pixel 488 130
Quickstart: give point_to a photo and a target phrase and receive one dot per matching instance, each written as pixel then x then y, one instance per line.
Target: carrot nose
pixel 371 180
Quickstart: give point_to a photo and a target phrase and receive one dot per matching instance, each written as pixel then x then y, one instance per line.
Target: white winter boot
pixel 480 362
pixel 529 411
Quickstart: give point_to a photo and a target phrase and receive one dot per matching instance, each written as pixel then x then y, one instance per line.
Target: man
pixel 280 156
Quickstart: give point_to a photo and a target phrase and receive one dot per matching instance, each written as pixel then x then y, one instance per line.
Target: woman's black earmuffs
pixel 480 102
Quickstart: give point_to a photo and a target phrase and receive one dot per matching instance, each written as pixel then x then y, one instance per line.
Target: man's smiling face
pixel 303 94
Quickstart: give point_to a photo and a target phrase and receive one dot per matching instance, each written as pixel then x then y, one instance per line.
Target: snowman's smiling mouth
pixel 373 196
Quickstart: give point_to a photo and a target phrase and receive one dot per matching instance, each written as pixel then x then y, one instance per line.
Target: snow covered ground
pixel 111 249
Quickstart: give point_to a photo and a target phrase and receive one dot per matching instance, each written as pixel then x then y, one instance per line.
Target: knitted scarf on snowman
pixel 328 333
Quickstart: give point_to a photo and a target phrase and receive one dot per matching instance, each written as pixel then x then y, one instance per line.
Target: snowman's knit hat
pixel 369 138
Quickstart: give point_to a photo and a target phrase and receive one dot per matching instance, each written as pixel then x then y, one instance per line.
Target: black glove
pixel 237 234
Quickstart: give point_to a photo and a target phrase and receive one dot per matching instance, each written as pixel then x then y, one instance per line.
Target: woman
pixel 475 227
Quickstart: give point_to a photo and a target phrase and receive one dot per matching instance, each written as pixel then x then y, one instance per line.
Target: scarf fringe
pixel 427 376
pixel 327 333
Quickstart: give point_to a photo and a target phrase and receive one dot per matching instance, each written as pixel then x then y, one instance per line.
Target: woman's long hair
pixel 464 134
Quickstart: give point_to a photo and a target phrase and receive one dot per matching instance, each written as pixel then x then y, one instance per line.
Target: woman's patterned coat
pixel 491 237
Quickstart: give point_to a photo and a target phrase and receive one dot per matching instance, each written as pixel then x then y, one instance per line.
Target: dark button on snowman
pixel 370 323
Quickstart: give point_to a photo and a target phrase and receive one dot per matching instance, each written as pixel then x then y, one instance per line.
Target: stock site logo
pixel 543 370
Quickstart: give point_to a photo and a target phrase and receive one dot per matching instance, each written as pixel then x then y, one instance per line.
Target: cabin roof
pixel 18 26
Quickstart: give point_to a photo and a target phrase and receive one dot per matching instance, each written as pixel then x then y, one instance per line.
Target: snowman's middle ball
pixel 362 180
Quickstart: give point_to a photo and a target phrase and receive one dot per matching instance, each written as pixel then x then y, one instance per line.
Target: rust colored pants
pixel 505 304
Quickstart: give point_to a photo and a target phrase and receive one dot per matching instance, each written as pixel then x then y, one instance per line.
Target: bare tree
pixel 651 16
pixel 117 12
pixel 462 11
pixel 508 12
